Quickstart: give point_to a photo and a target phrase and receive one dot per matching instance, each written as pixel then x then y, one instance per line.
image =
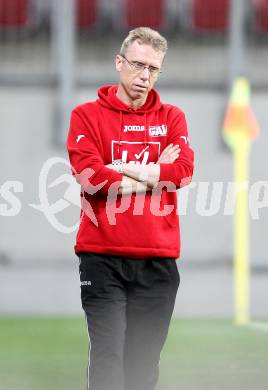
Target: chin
pixel 139 95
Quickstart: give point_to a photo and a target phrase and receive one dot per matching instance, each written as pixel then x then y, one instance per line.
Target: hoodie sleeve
pixel 85 157
pixel 181 171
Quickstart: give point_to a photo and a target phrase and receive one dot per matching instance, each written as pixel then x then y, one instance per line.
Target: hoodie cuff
pixel 111 176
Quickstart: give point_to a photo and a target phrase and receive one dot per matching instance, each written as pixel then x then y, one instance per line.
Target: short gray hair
pixel 146 36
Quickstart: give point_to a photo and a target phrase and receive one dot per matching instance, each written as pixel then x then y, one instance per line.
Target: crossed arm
pixel 140 178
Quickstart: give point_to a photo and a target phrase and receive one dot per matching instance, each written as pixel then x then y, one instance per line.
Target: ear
pixel 118 63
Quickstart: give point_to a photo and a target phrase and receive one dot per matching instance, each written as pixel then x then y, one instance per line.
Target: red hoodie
pixel 106 130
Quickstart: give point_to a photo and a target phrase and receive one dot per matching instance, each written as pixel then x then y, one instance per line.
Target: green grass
pixel 51 353
pixel 214 355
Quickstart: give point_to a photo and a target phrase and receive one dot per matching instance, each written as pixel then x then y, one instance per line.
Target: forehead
pixel 142 52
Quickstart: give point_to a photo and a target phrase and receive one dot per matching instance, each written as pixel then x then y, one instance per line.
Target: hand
pixel 169 154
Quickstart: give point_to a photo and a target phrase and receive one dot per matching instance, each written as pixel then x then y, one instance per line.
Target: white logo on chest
pixel 136 152
pixel 133 128
pixel 158 131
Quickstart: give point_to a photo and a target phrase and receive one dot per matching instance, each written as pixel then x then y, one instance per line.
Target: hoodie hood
pixel 108 99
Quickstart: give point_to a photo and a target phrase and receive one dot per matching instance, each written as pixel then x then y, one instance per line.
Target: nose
pixel 145 74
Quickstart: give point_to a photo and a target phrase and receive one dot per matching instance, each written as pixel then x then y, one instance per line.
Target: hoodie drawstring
pixel 120 131
pixel 145 137
pixel 145 142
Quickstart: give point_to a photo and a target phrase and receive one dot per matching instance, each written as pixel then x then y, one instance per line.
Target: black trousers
pixel 128 305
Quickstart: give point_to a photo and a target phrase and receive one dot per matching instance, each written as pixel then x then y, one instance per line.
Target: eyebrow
pixel 143 63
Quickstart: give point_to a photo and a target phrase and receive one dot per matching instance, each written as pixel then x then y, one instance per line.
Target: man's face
pixel 136 80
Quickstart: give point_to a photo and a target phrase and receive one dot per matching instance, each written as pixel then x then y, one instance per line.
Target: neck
pixel 125 98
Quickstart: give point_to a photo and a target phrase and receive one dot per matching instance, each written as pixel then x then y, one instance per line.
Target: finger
pixel 166 151
pixel 174 156
pixel 175 149
pixel 177 152
pixel 167 148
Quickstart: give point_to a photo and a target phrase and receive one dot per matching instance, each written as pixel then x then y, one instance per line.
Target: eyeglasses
pixel 137 66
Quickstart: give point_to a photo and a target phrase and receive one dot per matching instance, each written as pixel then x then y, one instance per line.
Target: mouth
pixel 140 87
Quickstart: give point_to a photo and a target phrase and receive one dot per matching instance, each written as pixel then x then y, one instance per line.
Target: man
pixel 130 152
